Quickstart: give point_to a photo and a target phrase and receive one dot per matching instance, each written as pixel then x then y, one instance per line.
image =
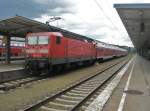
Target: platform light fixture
pixel 55 18
pixel 142 24
pixel 142 27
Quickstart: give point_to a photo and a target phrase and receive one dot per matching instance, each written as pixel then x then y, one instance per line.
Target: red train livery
pixel 105 51
pixel 15 51
pixel 47 50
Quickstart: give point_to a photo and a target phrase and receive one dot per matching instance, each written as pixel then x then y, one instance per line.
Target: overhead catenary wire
pixel 108 18
pixel 83 20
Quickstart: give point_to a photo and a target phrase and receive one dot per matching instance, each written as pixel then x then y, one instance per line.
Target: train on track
pixel 15 51
pixel 53 50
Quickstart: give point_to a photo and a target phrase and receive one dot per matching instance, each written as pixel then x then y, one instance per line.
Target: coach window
pixel 58 39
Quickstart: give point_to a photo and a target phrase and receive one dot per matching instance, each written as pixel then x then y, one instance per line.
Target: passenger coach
pixel 107 51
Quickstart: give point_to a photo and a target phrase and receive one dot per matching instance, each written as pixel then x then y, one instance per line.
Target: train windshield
pixel 32 40
pixel 43 40
pixel 38 40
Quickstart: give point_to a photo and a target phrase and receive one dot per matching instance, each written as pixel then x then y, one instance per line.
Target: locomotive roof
pixel 20 26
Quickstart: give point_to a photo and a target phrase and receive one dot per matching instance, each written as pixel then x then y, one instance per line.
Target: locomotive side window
pixel 43 40
pixel 32 40
pixel 58 39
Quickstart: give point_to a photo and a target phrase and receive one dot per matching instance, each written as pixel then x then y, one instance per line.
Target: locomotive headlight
pixel 45 51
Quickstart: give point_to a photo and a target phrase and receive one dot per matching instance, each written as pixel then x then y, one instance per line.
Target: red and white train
pixel 47 50
pixel 15 51
pixel 106 51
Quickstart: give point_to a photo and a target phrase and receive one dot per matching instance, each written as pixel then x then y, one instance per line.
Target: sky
pixel 93 18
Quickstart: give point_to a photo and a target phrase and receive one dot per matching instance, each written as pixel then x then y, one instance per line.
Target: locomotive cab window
pixel 58 39
pixel 43 40
pixel 32 40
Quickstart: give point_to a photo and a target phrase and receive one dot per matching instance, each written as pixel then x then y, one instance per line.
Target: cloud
pixel 80 16
pixel 33 8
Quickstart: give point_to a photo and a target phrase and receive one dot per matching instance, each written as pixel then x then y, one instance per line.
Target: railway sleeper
pixel 71 98
pixel 75 94
pixel 17 81
pixel 88 85
pixel 24 80
pixel 95 81
pixel 15 84
pixel 94 84
pixel 84 89
pixel 8 86
pixel 44 108
pixel 59 106
pixel 91 84
pixel 80 92
pixel 2 87
pixel 66 101
pixel 85 86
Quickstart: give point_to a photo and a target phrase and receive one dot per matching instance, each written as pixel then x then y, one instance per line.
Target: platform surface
pixel 138 95
pixel 14 65
pixel 133 91
pixel 135 96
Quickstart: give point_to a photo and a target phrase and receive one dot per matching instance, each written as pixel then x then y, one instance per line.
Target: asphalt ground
pixel 135 97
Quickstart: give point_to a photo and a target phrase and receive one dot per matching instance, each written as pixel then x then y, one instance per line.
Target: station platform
pixel 12 58
pixel 12 71
pixel 14 65
pixel 131 94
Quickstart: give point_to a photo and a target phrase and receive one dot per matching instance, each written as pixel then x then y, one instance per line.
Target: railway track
pixel 79 95
pixel 6 86
pixel 12 84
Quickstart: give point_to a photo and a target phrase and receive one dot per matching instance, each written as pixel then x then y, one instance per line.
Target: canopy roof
pixel 20 26
pixel 136 19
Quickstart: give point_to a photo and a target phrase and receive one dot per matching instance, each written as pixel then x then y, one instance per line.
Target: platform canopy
pixel 136 19
pixel 19 26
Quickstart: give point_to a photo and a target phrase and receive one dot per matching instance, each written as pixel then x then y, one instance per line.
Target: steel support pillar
pixel 7 50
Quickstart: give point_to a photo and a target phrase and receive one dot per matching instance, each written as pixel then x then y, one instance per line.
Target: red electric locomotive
pixel 47 50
